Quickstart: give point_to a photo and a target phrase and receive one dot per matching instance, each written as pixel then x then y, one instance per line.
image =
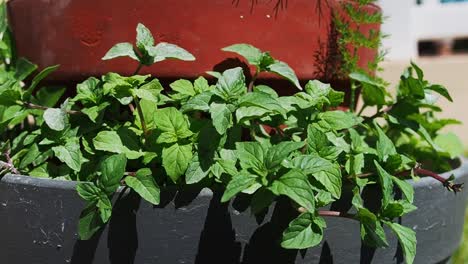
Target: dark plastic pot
pixel 77 33
pixel 38 224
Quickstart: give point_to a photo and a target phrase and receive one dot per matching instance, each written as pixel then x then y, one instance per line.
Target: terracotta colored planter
pixel 77 33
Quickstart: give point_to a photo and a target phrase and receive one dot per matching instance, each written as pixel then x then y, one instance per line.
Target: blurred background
pixel 434 34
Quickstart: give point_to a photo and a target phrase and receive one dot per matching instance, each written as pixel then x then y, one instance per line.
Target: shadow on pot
pixel 218 239
pixel 122 239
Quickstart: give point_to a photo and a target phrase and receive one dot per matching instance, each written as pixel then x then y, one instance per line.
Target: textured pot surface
pixel 77 33
pixel 38 223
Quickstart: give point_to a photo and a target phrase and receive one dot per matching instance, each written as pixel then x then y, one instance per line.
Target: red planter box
pixel 77 33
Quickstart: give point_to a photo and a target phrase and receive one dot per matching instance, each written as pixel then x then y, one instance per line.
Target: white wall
pixel 407 23
pixel 397 25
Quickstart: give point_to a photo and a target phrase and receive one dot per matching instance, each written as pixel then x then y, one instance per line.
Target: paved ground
pixel 450 71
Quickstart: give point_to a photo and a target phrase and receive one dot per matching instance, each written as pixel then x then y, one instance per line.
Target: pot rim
pixel 9 178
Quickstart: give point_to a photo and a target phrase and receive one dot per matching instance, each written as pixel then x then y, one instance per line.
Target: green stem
pixel 140 115
pixel 41 107
pixel 138 69
pixel 362 109
pixel 138 106
pixel 352 104
pixel 254 78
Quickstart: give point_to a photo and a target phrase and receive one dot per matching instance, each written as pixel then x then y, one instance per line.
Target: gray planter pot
pixel 38 224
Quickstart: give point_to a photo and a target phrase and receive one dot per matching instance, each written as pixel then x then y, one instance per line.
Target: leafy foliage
pixel 128 131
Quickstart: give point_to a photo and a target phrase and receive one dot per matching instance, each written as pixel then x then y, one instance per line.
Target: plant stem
pixel 418 171
pixel 329 213
pixel 140 115
pixel 7 166
pixel 41 107
pixel 380 113
pixel 251 84
pixel 138 69
pixel 352 104
pixel 336 214
pixel 9 163
pixel 362 109
pixel 445 182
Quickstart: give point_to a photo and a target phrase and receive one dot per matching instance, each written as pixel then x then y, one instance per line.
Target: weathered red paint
pixel 77 33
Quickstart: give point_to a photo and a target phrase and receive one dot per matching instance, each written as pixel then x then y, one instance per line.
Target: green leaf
pixel 88 191
pixel 95 112
pixel 173 122
pixel 49 95
pixel 277 153
pixel 303 232
pixel 355 164
pixel 386 184
pixel 318 93
pixel 56 118
pixel 373 92
pixel 90 222
pixel 385 146
pixel 176 159
pixel 261 200
pixel 199 102
pixel 149 91
pixel 419 72
pixel 251 155
pixel 324 171
pixel 144 38
pixel 338 120
pixel 262 100
pixel 40 76
pixel 231 84
pixel 405 187
pixel 23 69
pixel 364 79
pixel 31 155
pixel 88 91
pixel 70 154
pixel 10 97
pixel 316 139
pixel 393 210
pixel 450 143
pixel 249 52
pixel 296 186
pixel 105 207
pixel 228 166
pixel 266 89
pixel 112 169
pixel 407 238
pixel 163 51
pixel 184 87
pixel 238 183
pixel 144 184
pixel 373 95
pixel 411 88
pixel 195 173
pixel 201 85
pixel 111 141
pixel 121 50
pixel 283 70
pixel 426 136
pixel 221 116
pixel 440 90
pixel 372 232
pixel 250 112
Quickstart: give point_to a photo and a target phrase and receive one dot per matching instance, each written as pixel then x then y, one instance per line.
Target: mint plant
pixel 130 132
